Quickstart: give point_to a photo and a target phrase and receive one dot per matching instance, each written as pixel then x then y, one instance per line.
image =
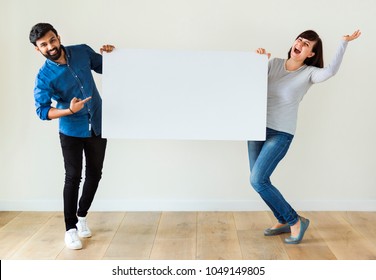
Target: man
pixel 66 78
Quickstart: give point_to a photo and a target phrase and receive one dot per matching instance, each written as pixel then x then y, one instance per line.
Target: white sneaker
pixel 83 229
pixel 72 241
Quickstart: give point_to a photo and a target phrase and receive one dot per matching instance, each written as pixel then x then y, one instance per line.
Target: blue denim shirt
pixel 62 82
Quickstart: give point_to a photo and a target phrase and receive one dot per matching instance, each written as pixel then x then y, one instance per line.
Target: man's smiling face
pixel 49 45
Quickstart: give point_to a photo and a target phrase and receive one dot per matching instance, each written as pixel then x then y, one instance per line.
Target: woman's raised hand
pixel 353 36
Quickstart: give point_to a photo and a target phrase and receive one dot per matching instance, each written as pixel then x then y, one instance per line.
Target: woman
pixel 288 81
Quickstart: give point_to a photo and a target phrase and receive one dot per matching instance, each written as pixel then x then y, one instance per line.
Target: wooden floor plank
pixel 46 243
pixel 11 242
pixel 103 226
pixel 188 235
pixel 7 216
pixel 253 243
pixel 19 230
pixel 135 237
pixel 363 222
pixel 344 241
pixel 217 237
pixel 28 222
pixel 176 237
pixel 312 247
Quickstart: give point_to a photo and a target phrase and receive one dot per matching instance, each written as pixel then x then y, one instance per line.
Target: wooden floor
pixel 188 236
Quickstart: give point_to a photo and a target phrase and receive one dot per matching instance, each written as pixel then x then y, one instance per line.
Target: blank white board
pixel 184 95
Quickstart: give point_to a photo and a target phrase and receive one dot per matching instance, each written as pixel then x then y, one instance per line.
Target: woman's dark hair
pixel 39 30
pixel 318 59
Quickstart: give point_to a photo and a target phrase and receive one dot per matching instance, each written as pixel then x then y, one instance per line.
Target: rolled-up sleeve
pixel 42 97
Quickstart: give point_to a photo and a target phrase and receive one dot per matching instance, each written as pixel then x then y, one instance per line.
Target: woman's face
pixel 302 49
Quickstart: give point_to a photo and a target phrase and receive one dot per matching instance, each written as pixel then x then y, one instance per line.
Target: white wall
pixel 330 166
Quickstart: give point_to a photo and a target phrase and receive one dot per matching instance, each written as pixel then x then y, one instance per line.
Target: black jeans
pixel 73 149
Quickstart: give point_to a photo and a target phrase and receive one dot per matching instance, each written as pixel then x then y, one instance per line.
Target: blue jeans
pixel 264 157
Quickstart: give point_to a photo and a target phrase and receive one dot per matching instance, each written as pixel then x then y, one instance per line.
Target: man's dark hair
pixel 39 30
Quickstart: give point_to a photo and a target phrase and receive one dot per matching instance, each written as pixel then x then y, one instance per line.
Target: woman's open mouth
pixel 297 51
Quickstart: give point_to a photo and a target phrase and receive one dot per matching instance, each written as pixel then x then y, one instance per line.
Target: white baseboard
pixel 187 205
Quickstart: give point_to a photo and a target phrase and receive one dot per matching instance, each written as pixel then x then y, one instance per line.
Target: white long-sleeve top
pixel 287 88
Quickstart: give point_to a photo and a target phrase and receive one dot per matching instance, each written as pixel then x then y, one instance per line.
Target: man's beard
pixel 55 56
